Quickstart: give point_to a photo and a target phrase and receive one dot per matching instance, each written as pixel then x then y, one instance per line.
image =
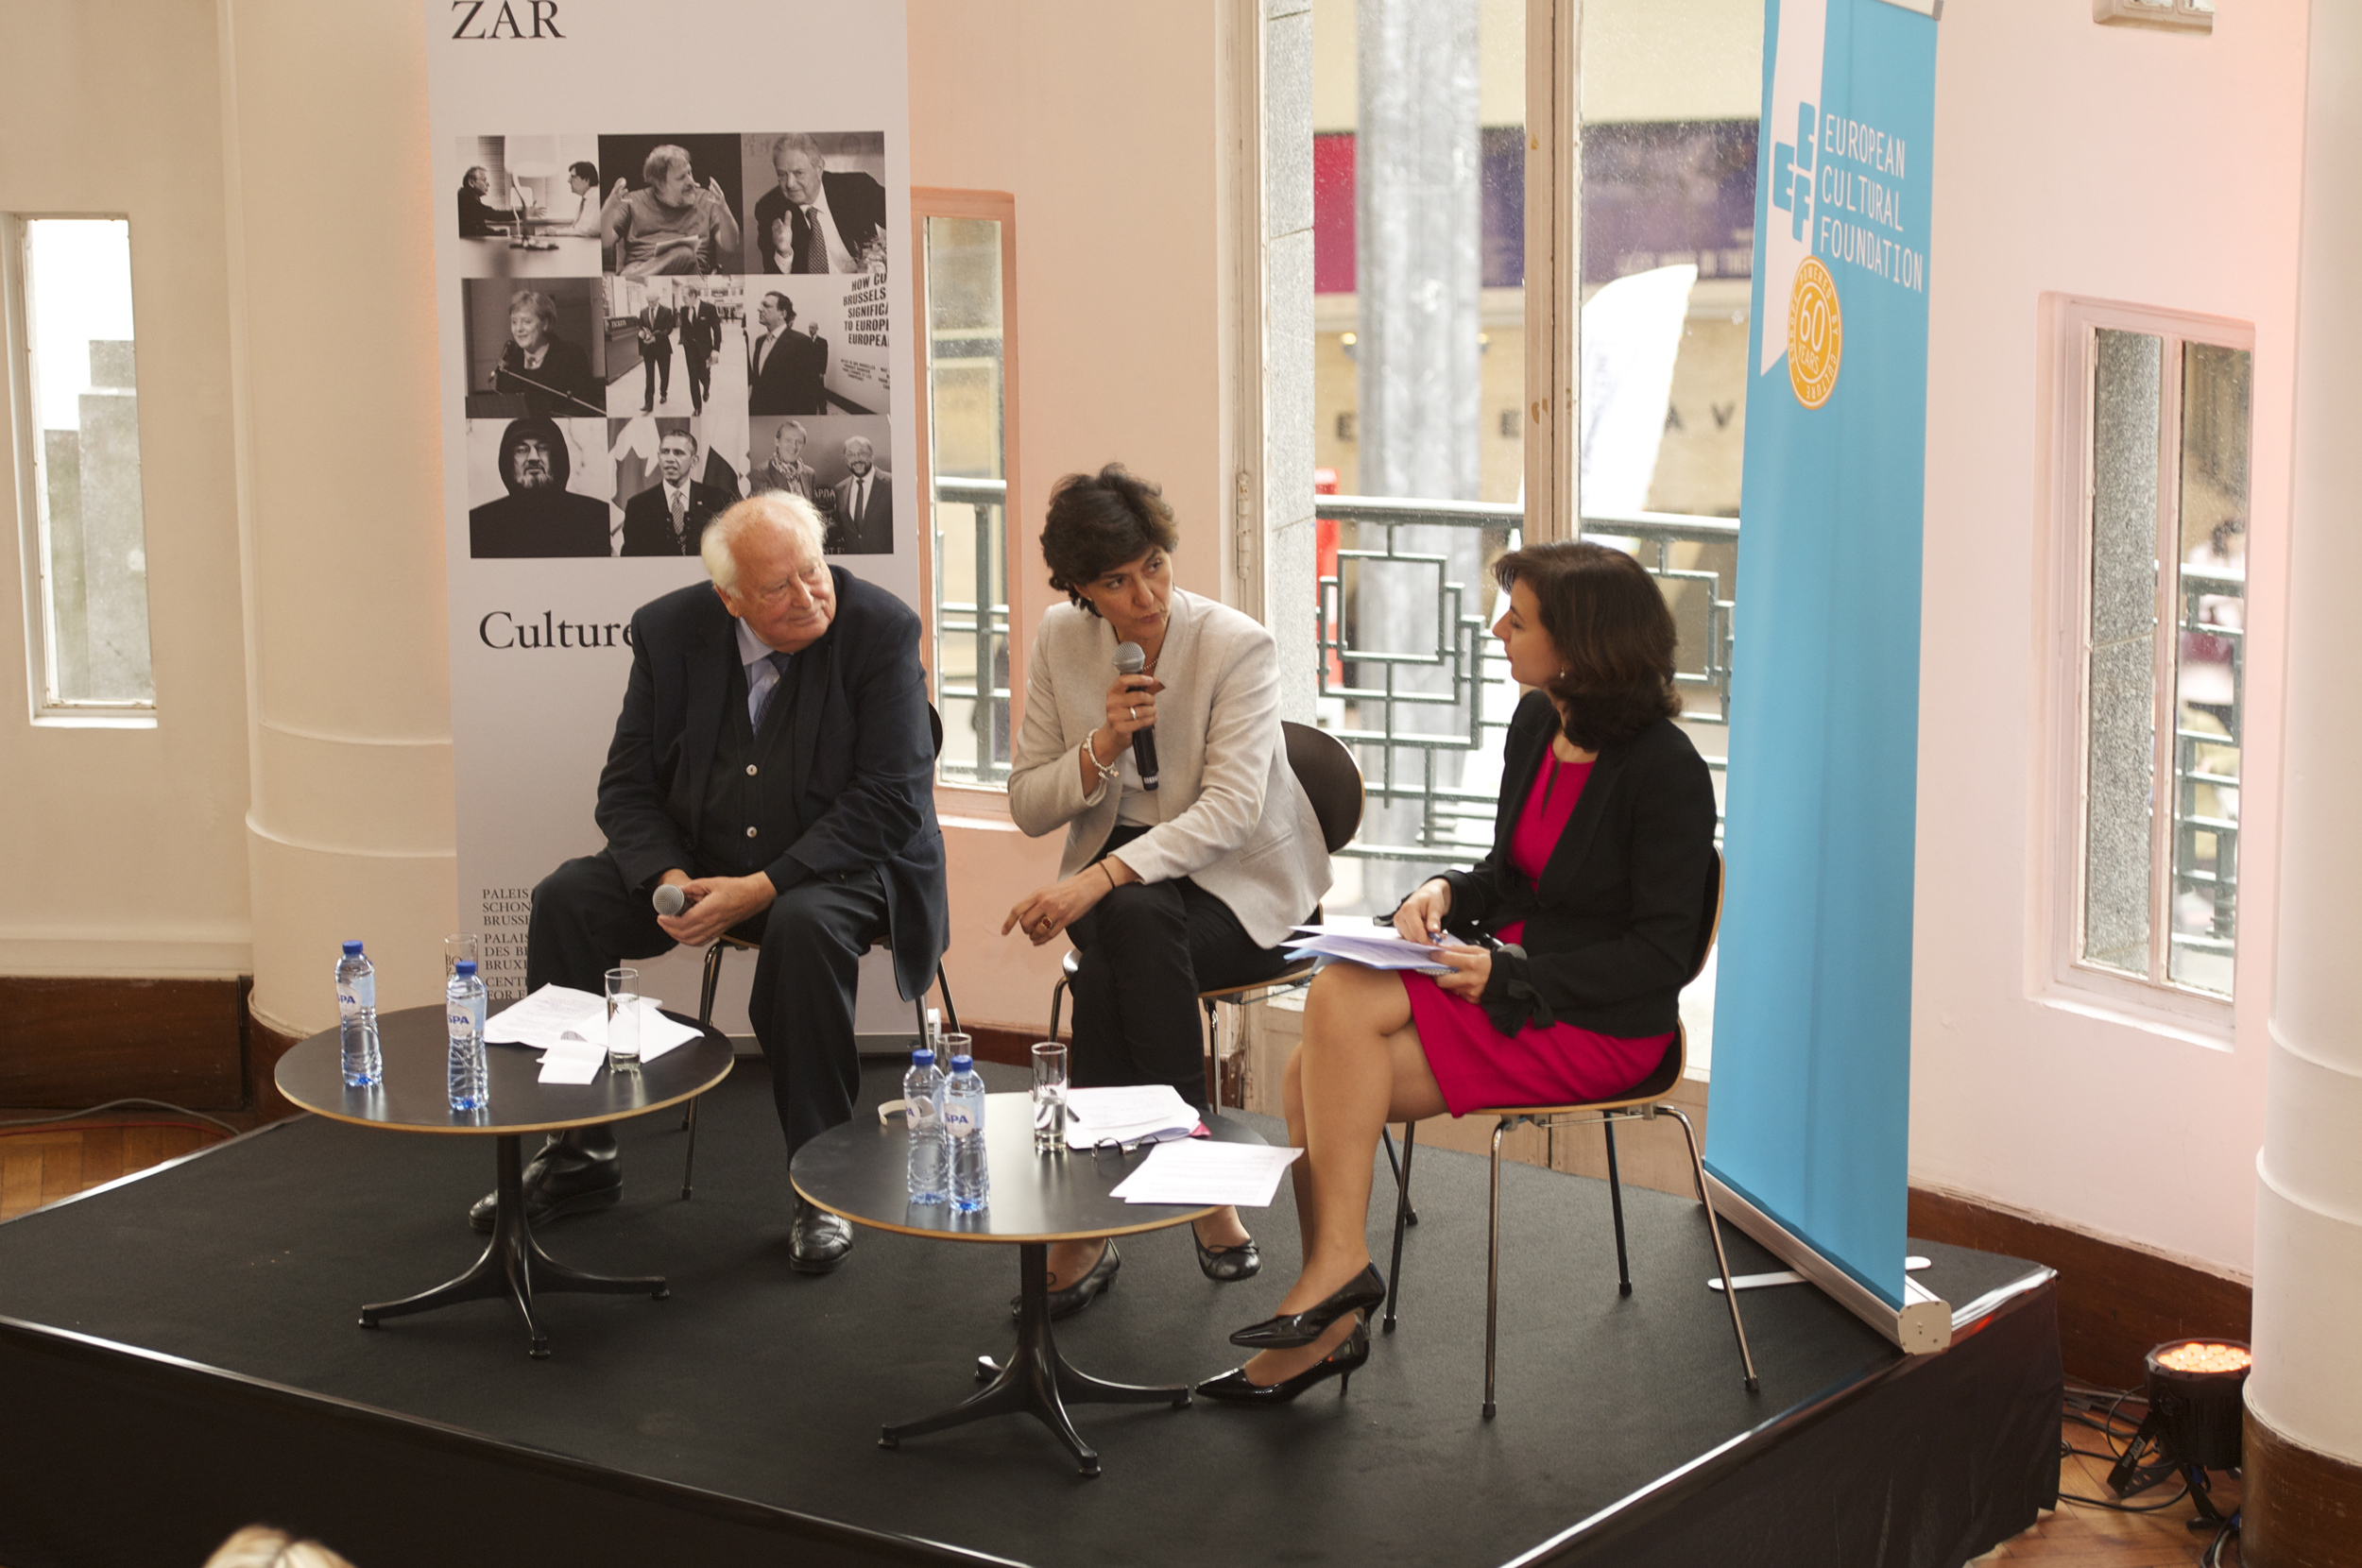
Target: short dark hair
pixel 1097 522
pixel 584 171
pixel 1612 629
pixel 787 306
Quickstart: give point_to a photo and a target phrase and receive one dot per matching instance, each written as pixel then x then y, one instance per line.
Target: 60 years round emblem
pixel 1816 334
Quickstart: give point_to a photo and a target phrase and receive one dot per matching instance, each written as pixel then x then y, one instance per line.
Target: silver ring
pixel 1135 712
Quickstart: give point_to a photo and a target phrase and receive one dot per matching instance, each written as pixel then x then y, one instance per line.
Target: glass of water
pixel 623 1017
pixel 1050 1082
pixel 462 945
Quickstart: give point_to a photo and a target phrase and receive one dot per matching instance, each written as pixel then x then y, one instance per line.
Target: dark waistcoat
pixel 751 784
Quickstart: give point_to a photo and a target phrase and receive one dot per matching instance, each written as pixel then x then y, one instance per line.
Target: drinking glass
pixel 623 1017
pixel 1050 1082
pixel 462 945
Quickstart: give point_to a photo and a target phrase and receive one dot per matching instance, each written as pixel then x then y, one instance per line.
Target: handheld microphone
pixel 1130 662
pixel 670 899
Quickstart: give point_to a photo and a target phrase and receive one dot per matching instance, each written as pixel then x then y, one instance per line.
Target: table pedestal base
pixel 1037 1380
pixel 514 1265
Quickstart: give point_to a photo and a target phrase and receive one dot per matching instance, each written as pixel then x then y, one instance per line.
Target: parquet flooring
pixel 39 1166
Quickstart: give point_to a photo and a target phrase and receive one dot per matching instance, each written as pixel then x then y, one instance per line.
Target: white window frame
pixel 2062 652
pixel 32 507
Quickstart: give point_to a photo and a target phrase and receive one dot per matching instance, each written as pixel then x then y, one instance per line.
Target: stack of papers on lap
pixel 1141 1113
pixel 1379 947
pixel 1202 1171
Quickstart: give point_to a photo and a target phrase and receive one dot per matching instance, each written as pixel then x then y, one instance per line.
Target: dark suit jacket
pixel 1612 931
pixel 560 524
pixel 856 203
pixel 701 333
pixel 874 533
pixel 648 521
pixel 864 757
pixel 661 322
pixel 562 387
pixel 792 379
pixel 476 215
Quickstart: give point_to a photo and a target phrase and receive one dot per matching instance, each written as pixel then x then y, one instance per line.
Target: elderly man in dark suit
pixel 669 518
pixel 700 340
pixel 862 523
pixel 655 332
pixel 814 221
pixel 775 761
pixel 786 370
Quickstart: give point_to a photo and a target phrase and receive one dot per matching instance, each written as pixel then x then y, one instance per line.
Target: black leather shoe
pixel 816 1239
pixel 1067 1300
pixel 1347 1358
pixel 1227 1265
pixel 1290 1330
pixel 560 1181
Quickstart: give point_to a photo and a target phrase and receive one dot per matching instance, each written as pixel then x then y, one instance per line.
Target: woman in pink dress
pixel 1573 939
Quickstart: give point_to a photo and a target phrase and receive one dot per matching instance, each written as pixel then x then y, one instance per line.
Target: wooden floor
pixel 42 1166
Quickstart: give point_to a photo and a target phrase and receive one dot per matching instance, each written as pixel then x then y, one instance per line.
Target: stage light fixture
pixel 2193 1426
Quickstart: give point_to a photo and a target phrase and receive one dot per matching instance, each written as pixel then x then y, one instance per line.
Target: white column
pixel 2307 1382
pixel 333 382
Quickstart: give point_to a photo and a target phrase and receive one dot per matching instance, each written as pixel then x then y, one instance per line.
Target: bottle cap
pixel 922 1057
pixel 962 1063
pixel 352 949
pixel 464 966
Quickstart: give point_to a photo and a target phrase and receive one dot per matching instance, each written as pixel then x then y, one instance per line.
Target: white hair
pixel 796 142
pixel 771 509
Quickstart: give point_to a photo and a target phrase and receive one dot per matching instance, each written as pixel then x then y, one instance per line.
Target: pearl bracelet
pixel 1107 771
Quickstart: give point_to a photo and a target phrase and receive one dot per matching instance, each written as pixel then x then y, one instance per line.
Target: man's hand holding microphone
pixel 696 910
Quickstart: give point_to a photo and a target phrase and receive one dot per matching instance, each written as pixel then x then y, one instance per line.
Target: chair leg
pixel 689 1165
pixel 1057 1005
pixel 1213 1055
pixel 1616 1204
pixel 1493 1270
pixel 705 1018
pixel 951 1010
pixel 1403 1215
pixel 1714 1228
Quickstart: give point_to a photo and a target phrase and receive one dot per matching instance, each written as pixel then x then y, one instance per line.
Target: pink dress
pixel 1476 1064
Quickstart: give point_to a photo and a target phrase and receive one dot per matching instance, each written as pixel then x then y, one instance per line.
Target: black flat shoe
pixel 1069 1300
pixel 1227 1265
pixel 1341 1363
pixel 1290 1330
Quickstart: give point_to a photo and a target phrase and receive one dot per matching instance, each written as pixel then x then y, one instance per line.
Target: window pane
pixel 966 429
pixel 2209 650
pixel 93 540
pixel 2121 679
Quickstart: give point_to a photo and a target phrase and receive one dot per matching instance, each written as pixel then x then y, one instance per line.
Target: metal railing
pixel 971 636
pixel 2205 848
pixel 1377 683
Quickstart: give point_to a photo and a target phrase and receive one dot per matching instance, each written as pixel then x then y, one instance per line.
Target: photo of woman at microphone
pixel 1152 735
pixel 551 375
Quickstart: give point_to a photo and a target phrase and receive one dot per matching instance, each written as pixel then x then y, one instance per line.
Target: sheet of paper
pixel 546 1015
pixel 659 1033
pixel 573 1059
pixel 1379 947
pixel 1197 1170
pixel 1126 1113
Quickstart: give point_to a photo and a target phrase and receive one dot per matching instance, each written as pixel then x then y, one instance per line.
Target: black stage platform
pixel 180 1356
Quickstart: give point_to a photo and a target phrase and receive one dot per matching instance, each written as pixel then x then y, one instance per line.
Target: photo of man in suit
pixel 791 674
pixel 786 370
pixel 670 516
pixel 538 516
pixel 700 340
pixel 475 216
pixel 814 221
pixel 656 349
pixel 785 469
pixel 863 520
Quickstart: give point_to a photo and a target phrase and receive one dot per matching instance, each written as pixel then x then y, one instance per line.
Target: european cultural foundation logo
pixel 1816 334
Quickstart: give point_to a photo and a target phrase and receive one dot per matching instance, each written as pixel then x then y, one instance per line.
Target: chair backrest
pixel 1325 766
pixel 935 724
pixel 1711 924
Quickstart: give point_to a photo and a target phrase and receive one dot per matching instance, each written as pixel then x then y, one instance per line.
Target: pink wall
pixel 2156 169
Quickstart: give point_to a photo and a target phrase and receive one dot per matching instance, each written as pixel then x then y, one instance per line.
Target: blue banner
pixel 1811 1071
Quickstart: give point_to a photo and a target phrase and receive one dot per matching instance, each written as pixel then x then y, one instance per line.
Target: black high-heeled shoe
pixel 1341 1363
pixel 1067 1301
pixel 1227 1265
pixel 1290 1330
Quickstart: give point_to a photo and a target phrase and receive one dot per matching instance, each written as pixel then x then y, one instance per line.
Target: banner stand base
pixel 1923 1327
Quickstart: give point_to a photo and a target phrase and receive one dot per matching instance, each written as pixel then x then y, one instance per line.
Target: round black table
pixel 861 1171
pixel 416 1098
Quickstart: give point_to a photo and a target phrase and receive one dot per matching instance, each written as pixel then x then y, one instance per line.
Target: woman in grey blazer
pixel 1168 888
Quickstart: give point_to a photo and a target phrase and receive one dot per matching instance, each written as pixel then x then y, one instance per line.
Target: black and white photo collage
pixel 657 325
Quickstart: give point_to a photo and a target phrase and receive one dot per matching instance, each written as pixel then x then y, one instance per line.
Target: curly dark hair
pixel 1611 626
pixel 1097 522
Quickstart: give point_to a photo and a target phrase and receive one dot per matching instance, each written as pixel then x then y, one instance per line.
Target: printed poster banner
pixel 1812 994
pixel 664 254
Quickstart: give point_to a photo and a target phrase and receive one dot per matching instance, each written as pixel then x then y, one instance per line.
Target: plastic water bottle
pixel 930 1149
pixel 356 1017
pixel 964 1124
pixel 463 1016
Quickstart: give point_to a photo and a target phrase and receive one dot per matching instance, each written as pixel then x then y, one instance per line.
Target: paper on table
pixel 572 1060
pixel 575 1055
pixel 1199 1171
pixel 659 1033
pixel 1127 1114
pixel 546 1017
pixel 1377 947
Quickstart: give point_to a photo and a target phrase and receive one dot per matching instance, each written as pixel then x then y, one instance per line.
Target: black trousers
pixel 584 921
pixel 700 369
pixel 651 364
pixel 1145 951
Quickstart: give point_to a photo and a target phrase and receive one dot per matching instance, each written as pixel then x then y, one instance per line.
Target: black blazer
pixel 1613 931
pixel 648 521
pixel 856 201
pixel 864 757
pixel 792 379
pixel 701 332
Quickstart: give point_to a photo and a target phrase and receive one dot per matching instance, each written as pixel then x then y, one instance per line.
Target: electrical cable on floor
pixel 11 1131
pixel 114 1104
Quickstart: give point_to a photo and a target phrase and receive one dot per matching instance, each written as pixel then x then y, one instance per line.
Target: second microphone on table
pixel 1130 662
